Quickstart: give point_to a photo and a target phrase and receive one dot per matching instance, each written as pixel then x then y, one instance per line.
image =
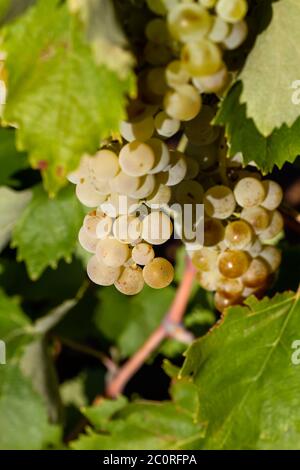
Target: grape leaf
pixel 11 160
pixel 147 425
pixel 12 205
pixel 282 146
pixel 23 417
pixel 128 321
pixel 61 100
pixel 247 384
pixel 48 229
pixel 271 69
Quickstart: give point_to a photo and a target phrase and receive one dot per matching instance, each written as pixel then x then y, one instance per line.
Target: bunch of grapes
pixel 169 155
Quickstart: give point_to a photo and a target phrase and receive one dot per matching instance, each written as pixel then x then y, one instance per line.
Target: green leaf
pixel 248 386
pixel 10 9
pixel 282 146
pixel 61 100
pixel 47 230
pixel 128 321
pixel 271 69
pixel 100 414
pixel 11 160
pixel 12 205
pixel 149 425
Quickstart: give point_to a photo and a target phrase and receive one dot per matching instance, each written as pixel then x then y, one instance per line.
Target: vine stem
pixel 173 318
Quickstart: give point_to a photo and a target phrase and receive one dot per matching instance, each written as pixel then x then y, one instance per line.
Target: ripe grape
pixel 274 195
pixel 257 217
pixel 104 165
pixel 162 155
pixel 257 273
pixel 146 188
pixel 232 10
pixel 215 83
pixel 193 168
pixel 119 204
pixel 136 159
pixel 233 263
pixel 160 196
pixel 213 232
pixel 205 259
pixel 166 126
pixel 222 302
pixel 87 242
pixel 143 254
pixel 157 228
pixel 208 280
pixel 219 202
pixel 177 169
pixel 102 274
pixel 124 183
pixel 140 130
pixel 249 192
pixel 184 103
pixel 238 235
pixel 131 281
pixel 159 273
pixel 272 256
pixel 219 31
pixel 230 288
pixel 127 229
pixel 176 74
pixel 275 227
pixel 112 252
pixel 189 22
pixel 157 31
pixel 189 192
pixel 201 58
pixel 87 194
pixel 237 36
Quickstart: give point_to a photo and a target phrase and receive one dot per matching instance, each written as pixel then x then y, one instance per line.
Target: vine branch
pixel 172 320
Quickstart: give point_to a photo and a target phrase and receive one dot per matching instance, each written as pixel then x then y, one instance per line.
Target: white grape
pixel 162 155
pixel 104 165
pixel 177 169
pixel 87 194
pixel 166 126
pixel 101 274
pixel 146 188
pixel 112 252
pixel 159 273
pixel 143 254
pixel 249 192
pixel 274 195
pixel 236 36
pixel 183 104
pixel 127 229
pixel 219 202
pixel 157 228
pixel 87 242
pixel 201 58
pixel 131 281
pixel 232 10
pixel 124 183
pixel 176 74
pixel 189 22
pixel 140 129
pixel 136 159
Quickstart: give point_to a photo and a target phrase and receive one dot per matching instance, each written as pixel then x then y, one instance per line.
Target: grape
pixel 274 195
pixel 156 81
pixel 201 58
pixel 101 274
pixel 127 229
pixel 176 74
pixel 213 232
pixel 101 186
pixel 236 36
pixel 255 249
pixel 131 281
pixel 140 130
pixel 157 228
pixel 208 280
pixel 233 263
pixel 184 103
pixel 213 83
pixel 232 10
pixel 258 218
pixel 157 31
pixel 205 259
pixel 222 302
pixel 249 192
pixel 157 54
pixel 189 192
pixel 272 256
pixel 146 188
pixel 87 242
pixel 90 223
pixel 189 22
pixel 219 202
pixel 177 169
pixel 104 226
pixel 162 155
pixel 219 31
pixel 161 7
pixel 199 130
pixel 230 288
pixel 105 165
pixel 208 3
pixel 118 204
pixel 238 235
pixel 275 227
pixel 257 273
pixel 193 168
pixel 136 159
pixel 160 196
pixel 87 194
pixel 143 254
pixel 125 184
pixel 159 273
pixel 81 172
pixel 166 126
pixel 112 252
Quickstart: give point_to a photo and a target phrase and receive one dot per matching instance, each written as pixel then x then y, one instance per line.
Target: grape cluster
pixel 236 260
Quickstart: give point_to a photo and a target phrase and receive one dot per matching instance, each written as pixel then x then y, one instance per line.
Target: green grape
pixel 232 10
pixel 157 54
pixel 156 81
pixel 104 165
pixel 161 7
pixel 140 130
pixel 160 197
pixel 119 204
pixel 206 155
pixel 157 228
pixel 219 31
pixel 238 235
pixel 157 31
pixel 124 183
pixel 208 3
pixel 143 254
pixel 199 130
pixel 136 159
pixel 233 263
pixel 165 126
pixel 189 192
pixel 275 227
pixel 257 273
pixel 208 280
pixel 219 202
pixel 272 256
pixel 146 188
pixel 131 281
pixel 274 195
pixel 183 104
pixel 258 218
pixel 189 22
pixel 87 242
pixel 193 168
pixel 237 36
pixel 213 232
pixel 201 58
pixel 230 288
pixel 87 194
pixel 112 252
pixel 249 192
pixel 176 74
pixel 205 259
pixel 101 274
pixel 177 169
pixel 162 155
pixel 127 229
pixel 215 83
pixel 159 273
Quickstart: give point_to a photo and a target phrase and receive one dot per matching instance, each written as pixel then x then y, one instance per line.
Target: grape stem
pixel 173 319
